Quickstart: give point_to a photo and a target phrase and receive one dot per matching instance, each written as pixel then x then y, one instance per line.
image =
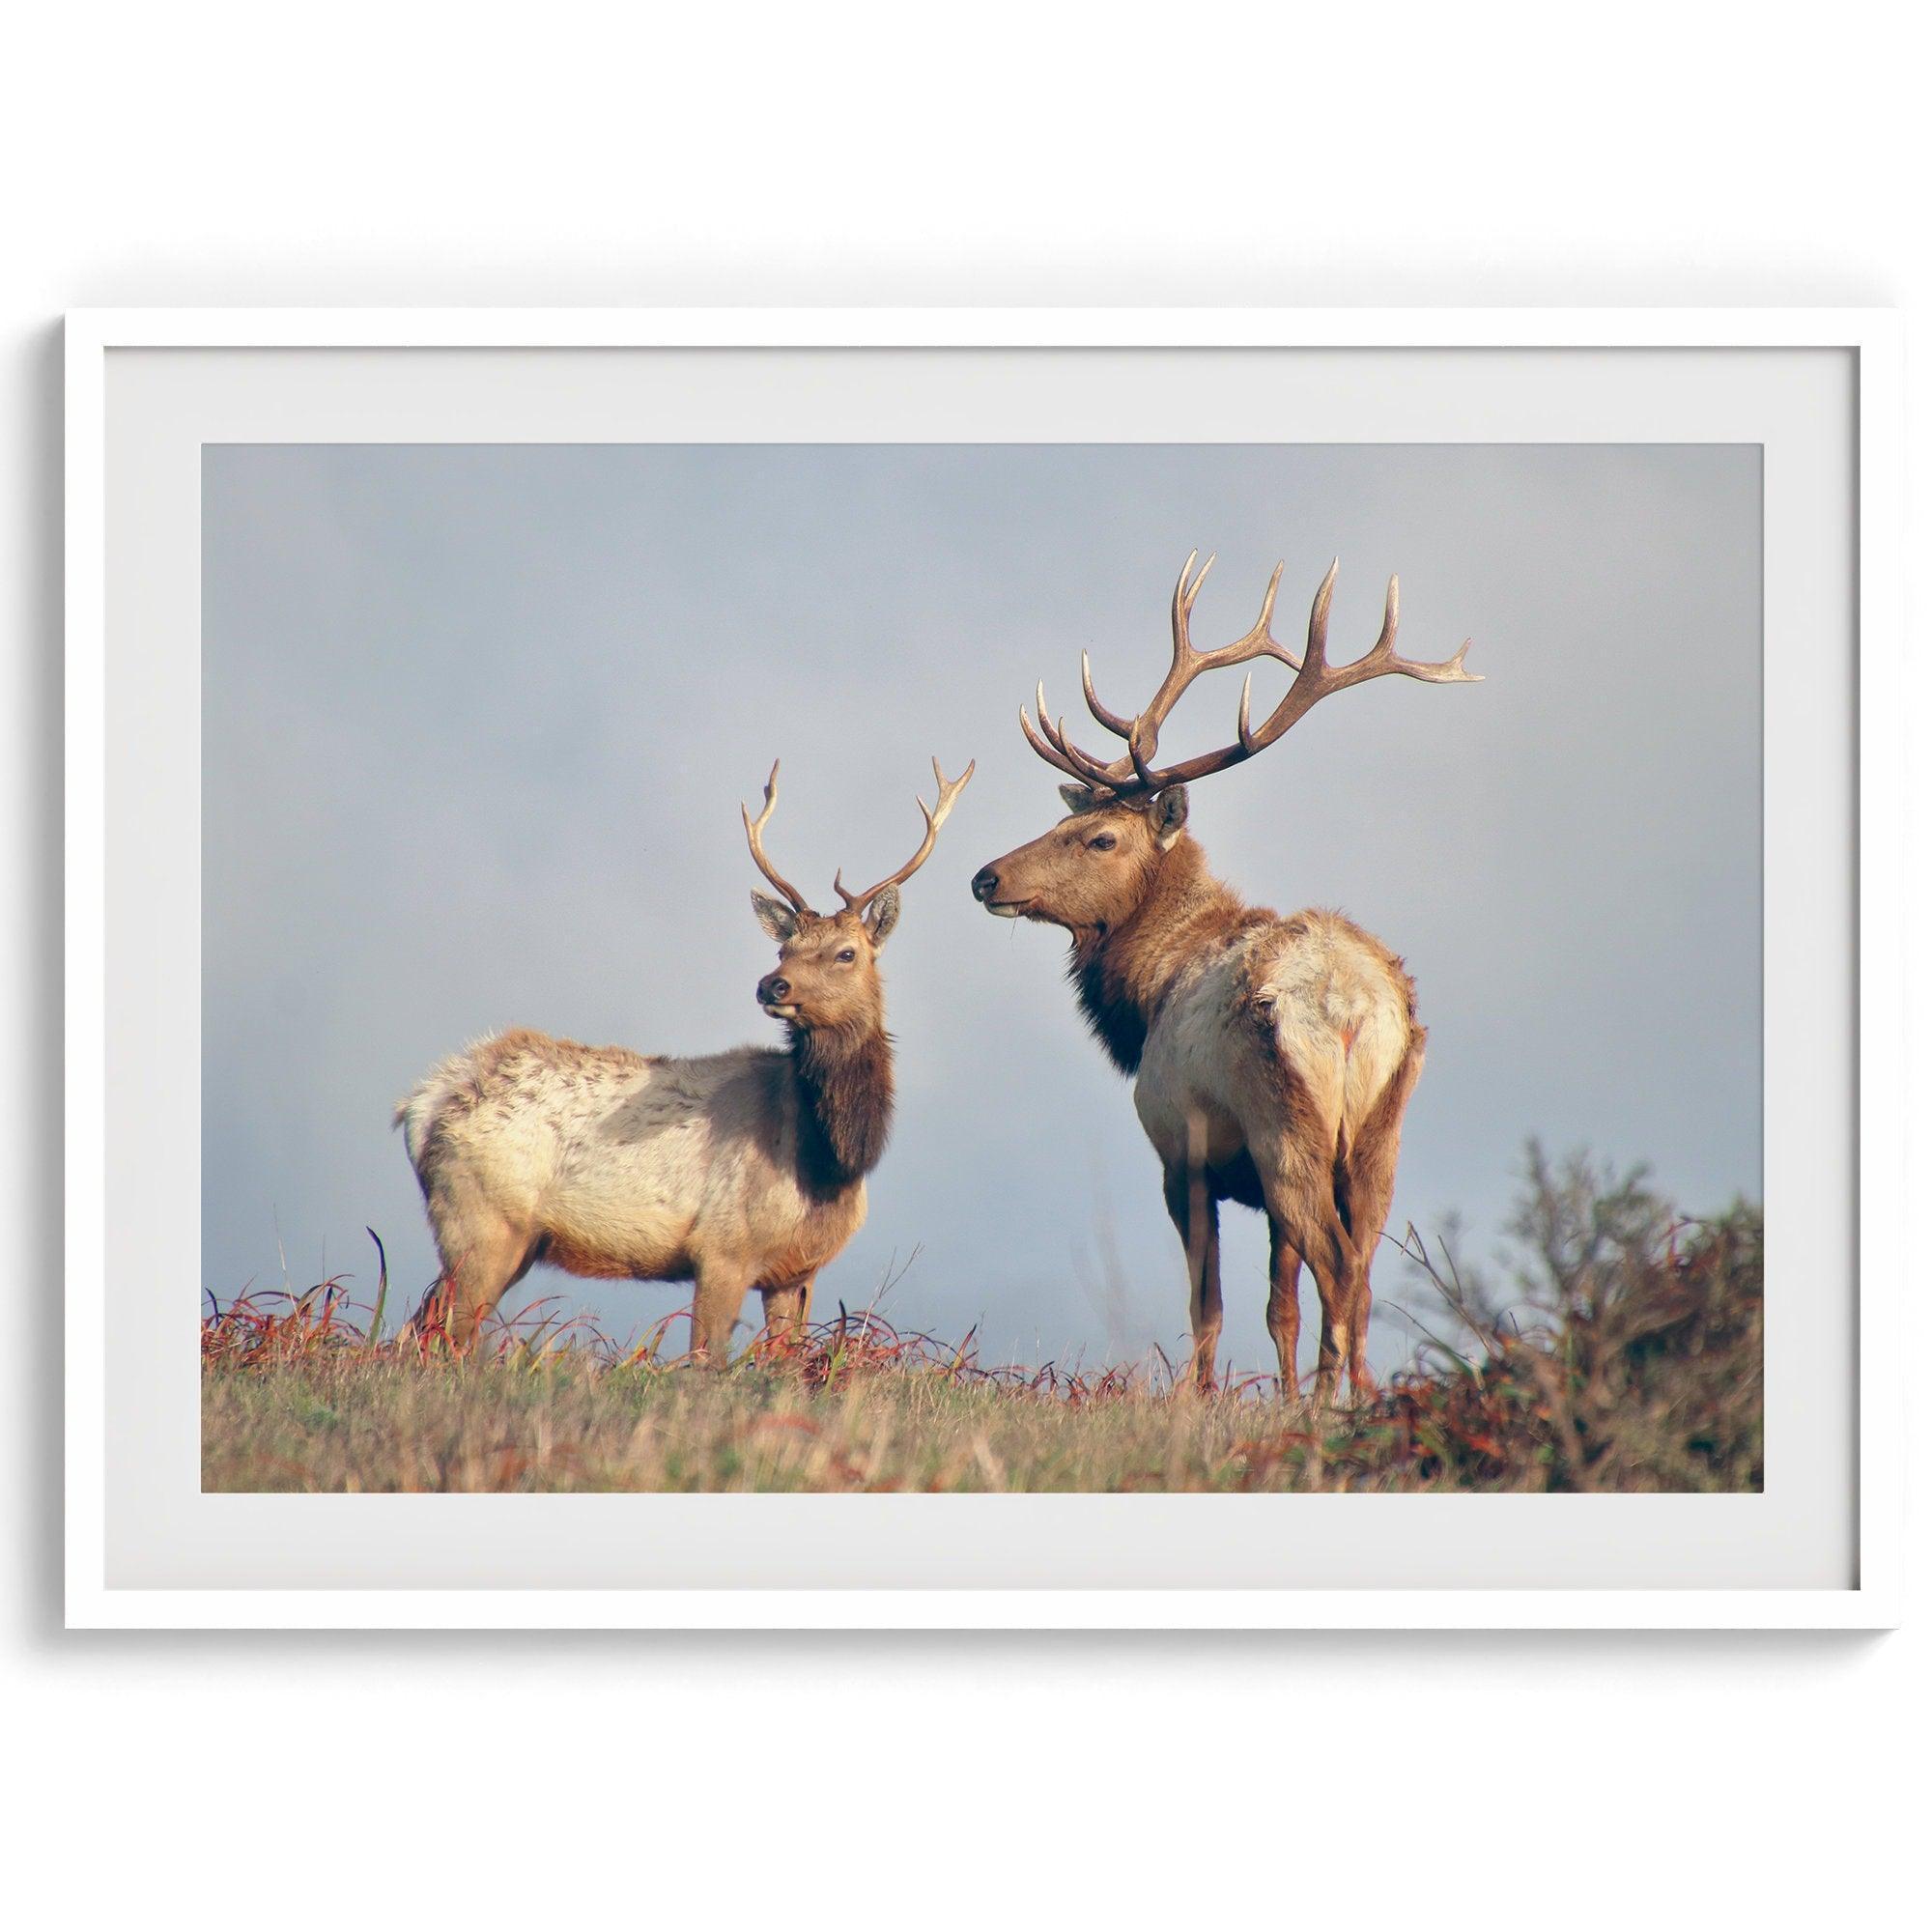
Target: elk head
pixel 1094 869
pixel 827 979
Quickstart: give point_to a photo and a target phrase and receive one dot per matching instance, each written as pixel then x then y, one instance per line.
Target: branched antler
pixel 754 830
pixel 934 820
pixel 1134 773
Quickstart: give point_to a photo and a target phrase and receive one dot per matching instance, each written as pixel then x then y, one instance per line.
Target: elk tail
pixel 416 1111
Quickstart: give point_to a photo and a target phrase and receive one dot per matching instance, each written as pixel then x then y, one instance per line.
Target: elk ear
pixel 1167 814
pixel 775 916
pixel 882 914
pixel 1080 798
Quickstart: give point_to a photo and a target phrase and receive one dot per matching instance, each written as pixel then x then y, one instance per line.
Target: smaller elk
pixel 736 1171
pixel 1274 1057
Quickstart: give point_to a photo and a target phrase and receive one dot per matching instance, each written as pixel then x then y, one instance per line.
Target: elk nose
pixel 774 989
pixel 986 883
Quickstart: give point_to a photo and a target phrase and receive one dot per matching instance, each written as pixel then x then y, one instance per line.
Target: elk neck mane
pixel 1121 975
pixel 844 1082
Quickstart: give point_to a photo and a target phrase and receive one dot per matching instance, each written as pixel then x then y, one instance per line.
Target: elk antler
pixel 1133 773
pixel 754 830
pixel 934 820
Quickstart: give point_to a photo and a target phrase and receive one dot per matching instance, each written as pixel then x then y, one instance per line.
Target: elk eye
pixel 1105 842
pixel 846 957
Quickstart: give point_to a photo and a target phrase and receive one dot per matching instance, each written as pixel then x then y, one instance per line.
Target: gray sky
pixel 477 721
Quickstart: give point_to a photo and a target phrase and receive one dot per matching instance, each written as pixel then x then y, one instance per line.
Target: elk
pixel 1272 1057
pixel 734 1170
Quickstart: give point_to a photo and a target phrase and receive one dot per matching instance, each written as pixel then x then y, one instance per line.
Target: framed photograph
pixel 614 1082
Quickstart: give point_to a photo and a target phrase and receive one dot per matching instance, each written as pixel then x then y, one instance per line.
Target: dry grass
pixel 1623 1352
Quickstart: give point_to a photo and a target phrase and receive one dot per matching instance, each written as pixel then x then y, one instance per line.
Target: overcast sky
pixel 477 721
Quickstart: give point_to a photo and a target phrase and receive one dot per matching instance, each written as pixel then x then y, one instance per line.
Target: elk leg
pixel 1336 1286
pixel 713 1313
pixel 785 1309
pixel 1367 1189
pixel 1312 1227
pixel 1284 1308
pixel 1345 1313
pixel 1361 1384
pixel 482 1261
pixel 1197 1218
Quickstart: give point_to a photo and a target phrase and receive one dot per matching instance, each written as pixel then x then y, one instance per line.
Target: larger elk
pixel 736 1171
pixel 1272 1057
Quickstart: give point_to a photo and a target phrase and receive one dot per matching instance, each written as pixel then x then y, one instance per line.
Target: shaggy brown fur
pixel 732 1171
pixel 845 1106
pixel 1277 1066
pixel 1122 972
pixel 1158 942
pixel 819 1112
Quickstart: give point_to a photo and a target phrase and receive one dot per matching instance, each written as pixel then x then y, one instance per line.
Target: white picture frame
pixel 1870 1596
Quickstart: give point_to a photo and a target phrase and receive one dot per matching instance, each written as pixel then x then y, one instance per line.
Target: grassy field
pixel 1621 1350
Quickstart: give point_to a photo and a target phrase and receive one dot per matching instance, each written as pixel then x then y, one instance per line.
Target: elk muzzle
pixel 775 996
pixel 986 890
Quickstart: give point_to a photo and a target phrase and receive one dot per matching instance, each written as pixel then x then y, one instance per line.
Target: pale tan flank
pixel 1272 1057
pixel 734 1170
